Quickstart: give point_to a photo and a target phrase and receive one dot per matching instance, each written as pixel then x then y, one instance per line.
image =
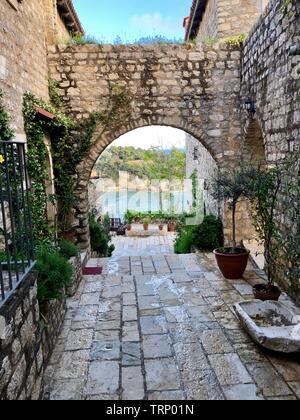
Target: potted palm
pixel 229 186
pixel 264 186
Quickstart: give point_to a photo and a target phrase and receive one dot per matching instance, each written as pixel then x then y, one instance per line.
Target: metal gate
pixel 16 243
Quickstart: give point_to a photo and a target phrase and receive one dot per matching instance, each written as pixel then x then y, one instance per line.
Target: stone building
pixel 26 30
pixel 200 163
pixel 211 19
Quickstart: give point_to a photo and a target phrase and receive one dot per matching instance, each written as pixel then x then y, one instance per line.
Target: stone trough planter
pixel 271 324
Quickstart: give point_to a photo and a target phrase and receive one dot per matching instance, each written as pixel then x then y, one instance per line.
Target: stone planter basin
pixel 270 324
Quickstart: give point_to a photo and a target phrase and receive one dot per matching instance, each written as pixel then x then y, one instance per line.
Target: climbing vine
pixel 37 154
pixel 6 133
pixel 70 142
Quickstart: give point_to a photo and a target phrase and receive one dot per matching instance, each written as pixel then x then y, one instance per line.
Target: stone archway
pixel 99 145
pixel 195 88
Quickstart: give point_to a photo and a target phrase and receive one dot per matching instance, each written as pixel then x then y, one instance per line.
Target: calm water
pixel 116 204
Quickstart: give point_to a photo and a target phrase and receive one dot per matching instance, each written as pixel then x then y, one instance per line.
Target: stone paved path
pixel 131 246
pixel 161 327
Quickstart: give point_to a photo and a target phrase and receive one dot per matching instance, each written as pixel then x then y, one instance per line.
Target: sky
pixel 146 137
pixel 132 19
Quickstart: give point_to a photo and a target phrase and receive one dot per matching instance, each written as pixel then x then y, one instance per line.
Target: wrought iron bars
pixel 16 243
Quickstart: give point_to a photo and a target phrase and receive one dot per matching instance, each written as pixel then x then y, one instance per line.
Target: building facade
pixel 211 19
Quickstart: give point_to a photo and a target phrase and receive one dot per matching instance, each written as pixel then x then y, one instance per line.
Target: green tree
pixel 164 165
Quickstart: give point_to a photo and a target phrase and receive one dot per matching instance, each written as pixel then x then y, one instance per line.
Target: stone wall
pixel 205 168
pixel 77 275
pixel 191 87
pixel 26 28
pixel 225 18
pixel 209 25
pixel 271 77
pixel 21 358
pixel 53 315
pixel 23 56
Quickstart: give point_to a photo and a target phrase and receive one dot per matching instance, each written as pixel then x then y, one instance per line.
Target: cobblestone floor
pixel 131 246
pixel 161 327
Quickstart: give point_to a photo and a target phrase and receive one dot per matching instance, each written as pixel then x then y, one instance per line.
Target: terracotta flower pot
pixel 232 264
pixel 266 292
pixel 171 227
pixel 161 227
pixel 146 227
pixel 129 228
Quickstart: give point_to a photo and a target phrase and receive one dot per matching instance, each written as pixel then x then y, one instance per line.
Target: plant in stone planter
pixel 67 249
pixel 54 273
pixel 229 186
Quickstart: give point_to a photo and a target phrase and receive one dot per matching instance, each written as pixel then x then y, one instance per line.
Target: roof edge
pixel 70 16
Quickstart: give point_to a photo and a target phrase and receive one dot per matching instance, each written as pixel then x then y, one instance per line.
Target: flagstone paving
pixel 161 327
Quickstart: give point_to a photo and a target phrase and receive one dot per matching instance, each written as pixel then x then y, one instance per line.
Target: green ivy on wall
pixel 6 133
pixel 70 142
pixel 36 128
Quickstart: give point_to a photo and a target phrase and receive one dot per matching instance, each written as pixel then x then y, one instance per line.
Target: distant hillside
pixel 154 163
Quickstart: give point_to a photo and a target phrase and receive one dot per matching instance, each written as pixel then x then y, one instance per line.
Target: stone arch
pixel 101 142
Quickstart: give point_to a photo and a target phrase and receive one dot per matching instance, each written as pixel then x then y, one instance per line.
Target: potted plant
pixel 229 186
pixel 264 186
pixel 146 222
pixel 129 218
pixel 171 224
pixel 161 226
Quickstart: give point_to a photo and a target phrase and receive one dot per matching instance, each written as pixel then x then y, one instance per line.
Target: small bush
pixel 67 249
pixel 207 236
pixel 100 239
pixel 54 273
pixel 184 241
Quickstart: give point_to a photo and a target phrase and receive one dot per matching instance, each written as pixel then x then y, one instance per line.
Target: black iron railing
pixel 16 243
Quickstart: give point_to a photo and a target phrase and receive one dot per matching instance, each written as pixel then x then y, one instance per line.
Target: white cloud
pixel 154 22
pixel 146 137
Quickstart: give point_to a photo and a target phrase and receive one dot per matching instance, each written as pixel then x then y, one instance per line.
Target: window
pixel 196 153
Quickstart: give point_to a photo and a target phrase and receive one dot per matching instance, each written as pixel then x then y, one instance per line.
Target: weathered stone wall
pixel 25 32
pixel 56 30
pixel 205 168
pixel 21 358
pixel 193 88
pixel 209 25
pixel 53 315
pixel 77 275
pixel 23 56
pixel 226 18
pixel 271 77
